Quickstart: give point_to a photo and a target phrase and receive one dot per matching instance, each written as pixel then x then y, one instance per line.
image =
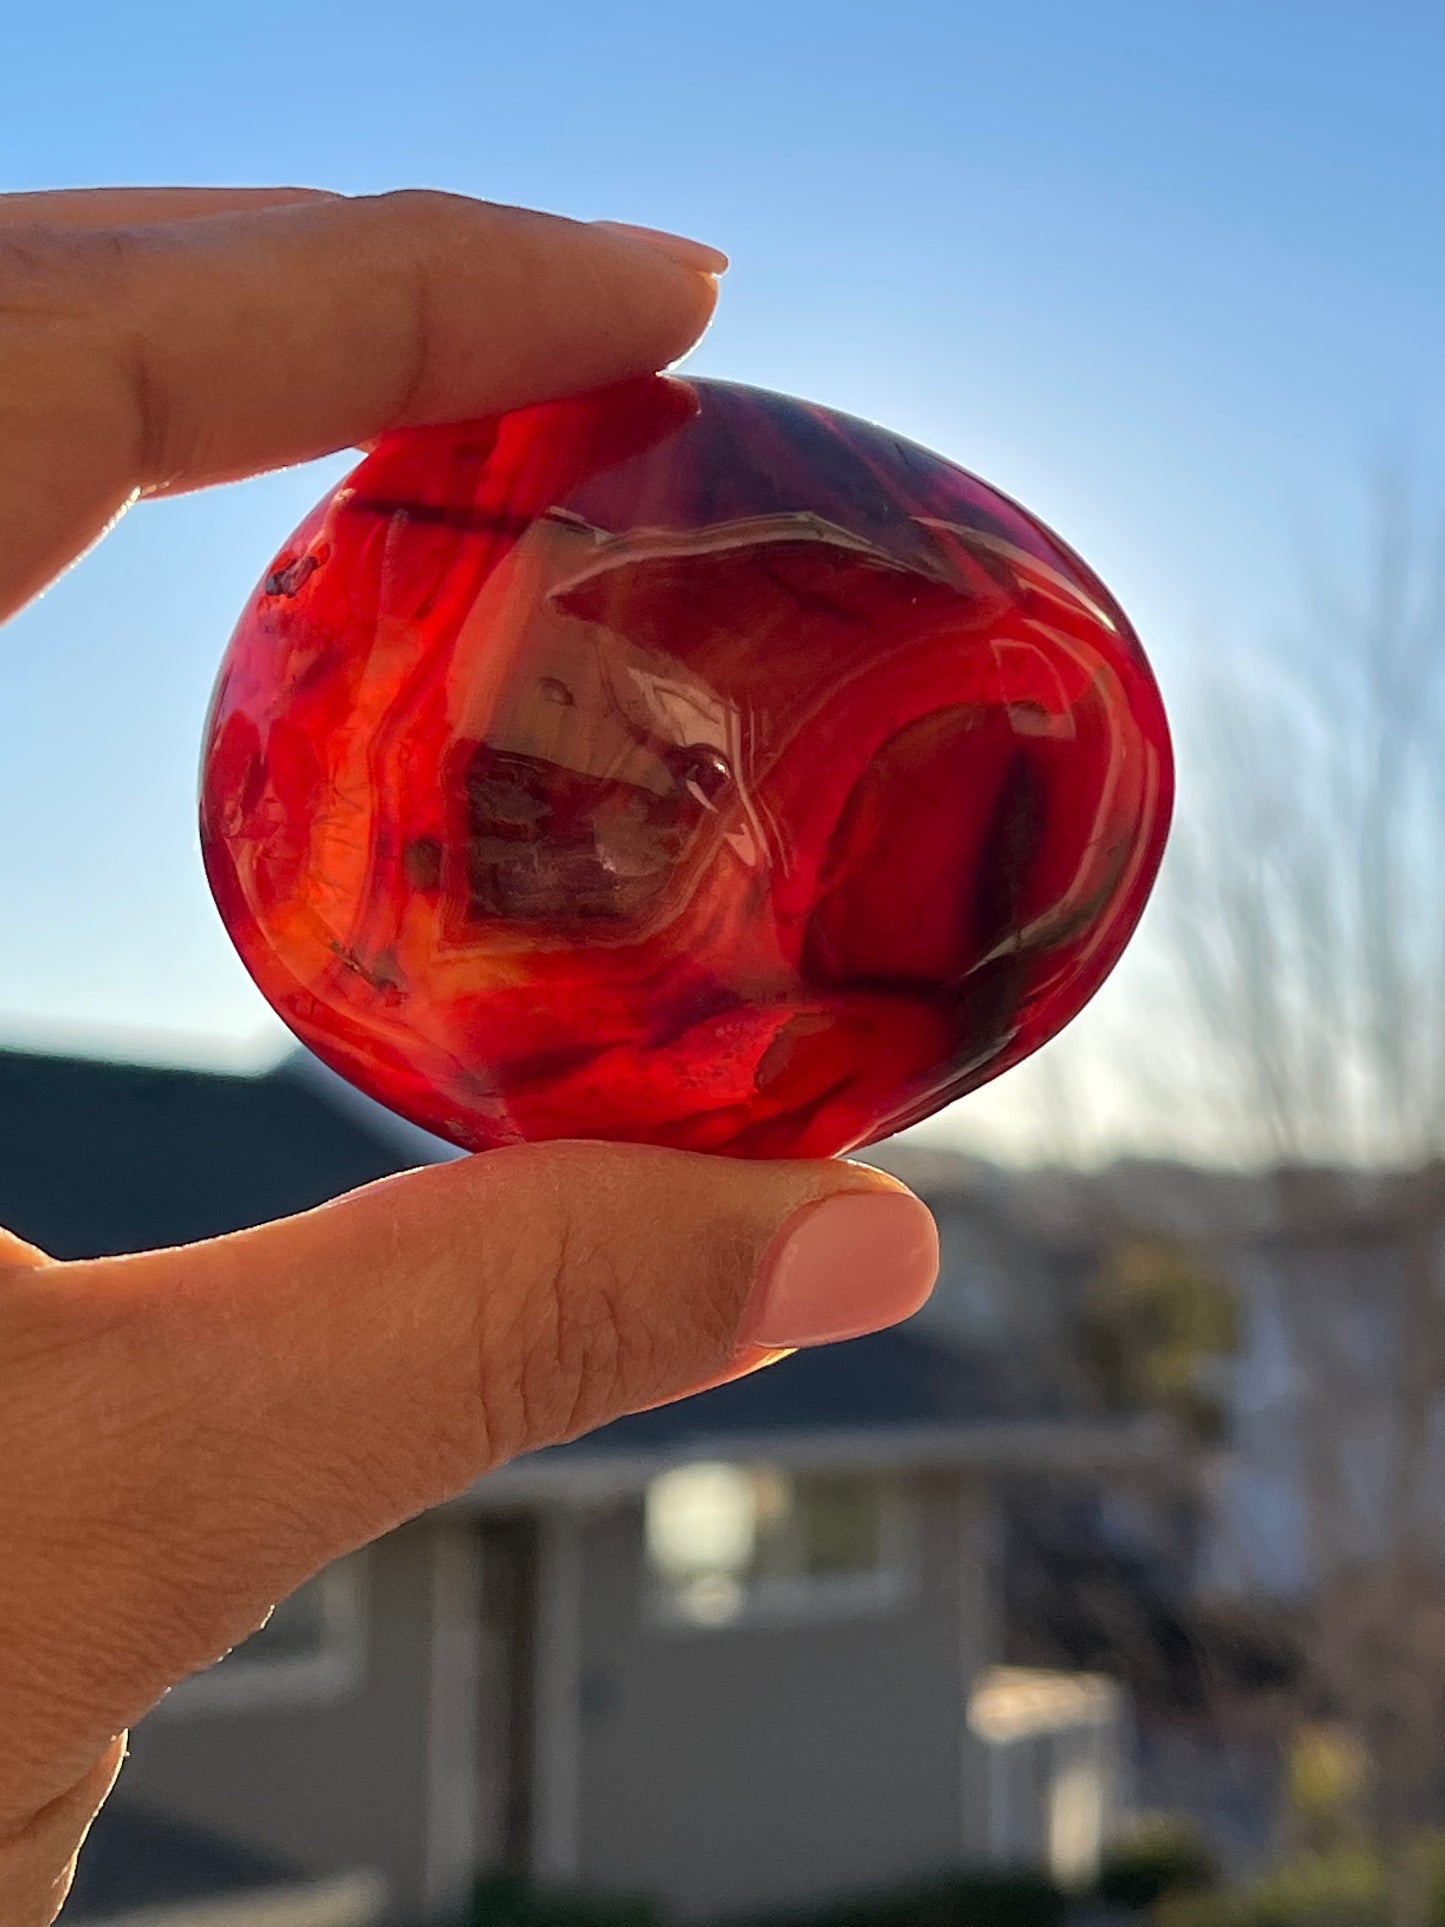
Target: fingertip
pixel 687 253
pixel 523 306
pixel 843 1265
pixel 681 282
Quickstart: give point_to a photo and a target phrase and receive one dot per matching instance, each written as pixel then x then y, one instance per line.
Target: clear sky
pixel 1173 274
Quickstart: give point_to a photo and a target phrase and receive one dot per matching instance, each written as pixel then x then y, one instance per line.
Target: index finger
pixel 142 358
pixel 102 207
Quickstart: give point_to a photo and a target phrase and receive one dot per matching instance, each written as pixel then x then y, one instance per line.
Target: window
pixel 311 1648
pixel 726 1541
pixel 1053 1743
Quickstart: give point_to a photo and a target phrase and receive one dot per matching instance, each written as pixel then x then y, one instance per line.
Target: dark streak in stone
pixel 1008 852
pixel 422 863
pixel 811 602
pixel 288 579
pixel 445 515
pixel 543 1066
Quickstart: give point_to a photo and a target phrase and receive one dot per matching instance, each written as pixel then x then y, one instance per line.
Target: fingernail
pixel 842 1266
pixel 677 247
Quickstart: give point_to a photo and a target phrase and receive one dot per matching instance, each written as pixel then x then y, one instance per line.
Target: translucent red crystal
pixel 681 763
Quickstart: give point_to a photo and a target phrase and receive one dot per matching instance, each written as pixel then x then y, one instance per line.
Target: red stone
pixel 682 763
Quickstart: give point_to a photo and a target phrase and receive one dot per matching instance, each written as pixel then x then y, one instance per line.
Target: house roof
pixel 99 1157
pixel 135 1859
pixel 899 1399
pixel 893 1378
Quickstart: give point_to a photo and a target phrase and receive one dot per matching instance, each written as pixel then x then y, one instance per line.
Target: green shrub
pixel 983 1897
pixel 503 1902
pixel 1343 1889
pixel 1322 1890
pixel 1159 1858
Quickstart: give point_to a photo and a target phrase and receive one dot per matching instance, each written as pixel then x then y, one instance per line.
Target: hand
pixel 187 1435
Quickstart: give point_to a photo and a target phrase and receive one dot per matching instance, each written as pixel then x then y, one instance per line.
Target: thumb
pixel 382 1352
pixel 232 1415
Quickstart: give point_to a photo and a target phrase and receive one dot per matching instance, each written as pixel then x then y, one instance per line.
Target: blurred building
pixel 738 1653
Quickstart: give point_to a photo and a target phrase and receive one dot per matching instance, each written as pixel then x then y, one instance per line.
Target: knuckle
pixel 557 1355
pixel 588 1354
pixel 414 228
pixel 69 335
pixel 428 228
pixel 419 211
pixel 590 1320
pixel 45 272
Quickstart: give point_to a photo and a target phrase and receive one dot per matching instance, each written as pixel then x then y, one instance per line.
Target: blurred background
pixel 1114 1584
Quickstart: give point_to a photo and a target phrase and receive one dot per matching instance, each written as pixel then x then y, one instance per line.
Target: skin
pixel 188 1435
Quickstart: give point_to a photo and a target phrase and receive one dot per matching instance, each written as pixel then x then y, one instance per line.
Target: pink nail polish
pixel 677 247
pixel 842 1266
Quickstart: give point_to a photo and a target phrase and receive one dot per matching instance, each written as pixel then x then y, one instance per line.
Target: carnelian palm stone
pixel 681 763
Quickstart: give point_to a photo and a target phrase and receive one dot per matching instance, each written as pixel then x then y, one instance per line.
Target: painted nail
pixel 677 247
pixel 842 1266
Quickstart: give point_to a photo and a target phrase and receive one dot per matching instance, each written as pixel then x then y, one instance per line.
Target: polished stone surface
pixel 682 763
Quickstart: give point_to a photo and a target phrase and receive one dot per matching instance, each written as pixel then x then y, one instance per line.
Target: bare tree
pixel 1305 898
pixel 1305 917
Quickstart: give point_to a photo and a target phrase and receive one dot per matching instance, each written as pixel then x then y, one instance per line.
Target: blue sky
pixel 1173 274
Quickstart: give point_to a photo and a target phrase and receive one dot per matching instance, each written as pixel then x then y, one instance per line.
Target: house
pixel 1308 1581
pixel 734 1654
pixel 1333 1401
